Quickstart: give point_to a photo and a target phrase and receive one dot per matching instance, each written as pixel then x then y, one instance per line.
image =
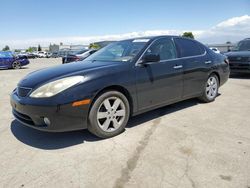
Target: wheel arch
pixel 217 74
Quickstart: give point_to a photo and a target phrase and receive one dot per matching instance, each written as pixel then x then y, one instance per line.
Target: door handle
pixel 208 62
pixel 178 67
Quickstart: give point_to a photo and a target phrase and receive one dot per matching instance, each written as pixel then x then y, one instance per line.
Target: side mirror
pixel 151 58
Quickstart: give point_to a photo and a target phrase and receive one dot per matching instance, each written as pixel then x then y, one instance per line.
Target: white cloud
pixel 233 29
pixel 235 22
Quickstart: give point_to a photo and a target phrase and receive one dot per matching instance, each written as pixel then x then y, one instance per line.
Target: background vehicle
pixel 8 60
pixel 49 55
pixel 29 55
pixel 121 80
pixel 42 54
pixel 77 56
pixel 54 55
pixel 215 50
pixel 239 58
pixel 64 52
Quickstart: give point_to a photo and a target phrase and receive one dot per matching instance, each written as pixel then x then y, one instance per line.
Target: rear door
pixel 196 65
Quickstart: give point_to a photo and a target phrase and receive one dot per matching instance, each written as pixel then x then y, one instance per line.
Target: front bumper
pixel 24 62
pixel 62 117
pixel 240 67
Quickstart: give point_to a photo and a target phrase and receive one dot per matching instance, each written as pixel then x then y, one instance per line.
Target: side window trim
pixel 176 48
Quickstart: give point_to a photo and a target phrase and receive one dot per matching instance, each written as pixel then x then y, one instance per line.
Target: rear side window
pixel 188 47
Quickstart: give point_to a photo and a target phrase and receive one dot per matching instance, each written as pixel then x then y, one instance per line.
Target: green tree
pixel 188 35
pixel 94 46
pixel 31 49
pixel 6 48
pixel 16 50
pixel 39 48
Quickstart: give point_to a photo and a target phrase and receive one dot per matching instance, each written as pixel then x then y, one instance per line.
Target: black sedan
pixel 121 80
pixel 77 56
pixel 239 58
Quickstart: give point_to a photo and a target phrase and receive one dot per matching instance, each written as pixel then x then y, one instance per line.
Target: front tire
pixel 211 89
pixel 109 114
pixel 16 65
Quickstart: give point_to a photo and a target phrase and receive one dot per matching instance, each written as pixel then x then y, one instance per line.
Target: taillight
pixel 76 58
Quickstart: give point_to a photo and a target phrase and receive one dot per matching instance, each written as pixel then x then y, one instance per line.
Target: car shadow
pixel 154 114
pixel 240 76
pixel 54 141
pixel 5 69
pixel 49 140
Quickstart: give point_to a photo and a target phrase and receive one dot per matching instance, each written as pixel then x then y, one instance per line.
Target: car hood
pixel 238 54
pixel 43 76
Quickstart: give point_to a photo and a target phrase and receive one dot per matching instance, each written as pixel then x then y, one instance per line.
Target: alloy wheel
pixel 16 65
pixel 111 114
pixel 212 87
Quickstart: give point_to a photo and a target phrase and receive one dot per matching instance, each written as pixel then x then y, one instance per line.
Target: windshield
pixel 243 46
pixel 6 54
pixel 120 51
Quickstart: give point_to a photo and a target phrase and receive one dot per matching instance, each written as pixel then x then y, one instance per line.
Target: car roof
pixel 154 37
pixel 157 37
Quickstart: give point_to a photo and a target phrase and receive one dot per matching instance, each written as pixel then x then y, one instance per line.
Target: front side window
pixel 164 48
pixel 124 51
pixel 188 47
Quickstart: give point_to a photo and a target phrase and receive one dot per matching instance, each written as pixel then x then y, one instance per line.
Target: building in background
pixel 45 48
pixel 53 48
pixel 223 47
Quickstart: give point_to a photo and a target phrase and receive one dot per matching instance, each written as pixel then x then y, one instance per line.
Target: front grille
pixel 239 59
pixel 23 91
pixel 23 118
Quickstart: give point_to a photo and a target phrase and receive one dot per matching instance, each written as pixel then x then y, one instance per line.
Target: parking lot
pixel 188 144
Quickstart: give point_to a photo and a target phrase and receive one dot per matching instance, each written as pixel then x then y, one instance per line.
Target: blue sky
pixel 59 19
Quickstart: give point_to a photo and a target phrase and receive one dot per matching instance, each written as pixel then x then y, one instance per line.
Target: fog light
pixel 46 121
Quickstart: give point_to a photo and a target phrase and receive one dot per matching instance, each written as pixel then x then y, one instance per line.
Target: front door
pixel 160 82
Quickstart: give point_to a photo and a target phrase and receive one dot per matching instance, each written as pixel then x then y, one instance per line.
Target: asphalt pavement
pixel 188 144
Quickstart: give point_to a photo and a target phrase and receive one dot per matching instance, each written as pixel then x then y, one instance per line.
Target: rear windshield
pixel 81 52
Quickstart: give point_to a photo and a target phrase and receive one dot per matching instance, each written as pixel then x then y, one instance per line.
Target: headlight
pixel 52 88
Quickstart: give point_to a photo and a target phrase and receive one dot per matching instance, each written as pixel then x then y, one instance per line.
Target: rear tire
pixel 210 89
pixel 109 114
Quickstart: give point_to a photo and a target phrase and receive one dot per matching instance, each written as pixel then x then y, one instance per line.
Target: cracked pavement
pixel 188 144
